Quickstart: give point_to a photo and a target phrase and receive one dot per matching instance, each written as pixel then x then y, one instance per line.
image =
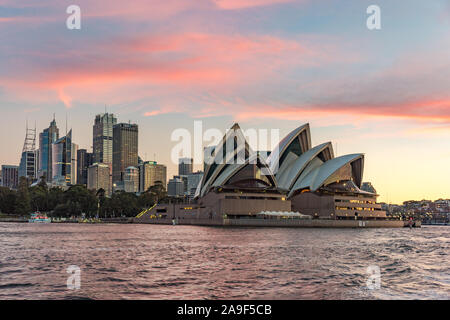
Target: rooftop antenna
pixel 66 123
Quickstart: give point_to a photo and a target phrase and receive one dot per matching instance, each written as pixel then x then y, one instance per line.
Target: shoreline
pixel 263 223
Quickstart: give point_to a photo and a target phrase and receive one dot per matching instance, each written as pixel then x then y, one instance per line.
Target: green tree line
pixel 76 200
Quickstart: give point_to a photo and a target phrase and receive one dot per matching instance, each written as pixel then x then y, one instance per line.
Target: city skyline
pixel 267 64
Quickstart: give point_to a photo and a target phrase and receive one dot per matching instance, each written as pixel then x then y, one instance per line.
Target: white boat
pixel 38 217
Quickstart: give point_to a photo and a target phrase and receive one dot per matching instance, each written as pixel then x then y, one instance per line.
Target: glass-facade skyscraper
pixel 46 138
pixel 103 138
pixel 62 160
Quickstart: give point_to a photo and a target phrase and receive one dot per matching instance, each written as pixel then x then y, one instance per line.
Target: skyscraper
pixel 175 187
pixel 125 149
pixel 185 166
pixel 62 160
pixel 46 138
pixel 85 159
pixel 149 173
pixel 98 178
pixel 103 138
pixel 27 167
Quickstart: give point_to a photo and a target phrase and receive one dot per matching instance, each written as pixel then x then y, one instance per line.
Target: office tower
pixel 149 173
pixel 185 166
pixel 46 138
pixel 98 178
pixel 10 176
pixel 1 178
pixel 62 160
pixel 103 138
pixel 125 149
pixel 131 179
pixel 36 164
pixel 27 165
pixel 74 164
pixel 85 159
pixel 175 187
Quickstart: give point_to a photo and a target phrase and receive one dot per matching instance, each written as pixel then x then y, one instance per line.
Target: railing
pixel 145 211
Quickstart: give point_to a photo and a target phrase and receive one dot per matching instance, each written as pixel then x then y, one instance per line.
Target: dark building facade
pixel 84 161
pixel 185 166
pixel 125 149
pixel 10 176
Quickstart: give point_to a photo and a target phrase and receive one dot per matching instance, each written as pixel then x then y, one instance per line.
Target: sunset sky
pixel 272 64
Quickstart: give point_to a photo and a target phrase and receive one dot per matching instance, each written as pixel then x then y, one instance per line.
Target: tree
pixel 23 202
pixel 39 198
pixel 8 200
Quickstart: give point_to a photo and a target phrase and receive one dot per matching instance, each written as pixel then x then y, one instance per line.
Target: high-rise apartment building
pixel 150 172
pixel 125 149
pixel 46 138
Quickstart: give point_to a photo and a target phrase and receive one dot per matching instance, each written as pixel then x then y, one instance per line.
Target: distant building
pixel 98 178
pixel 175 187
pixel 27 167
pixel 63 159
pixel 368 187
pixel 10 176
pixel 85 160
pixel 125 149
pixel 46 139
pixel 103 138
pixel 149 173
pixel 131 180
pixel 185 166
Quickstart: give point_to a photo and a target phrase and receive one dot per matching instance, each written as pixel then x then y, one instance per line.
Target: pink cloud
pixel 241 4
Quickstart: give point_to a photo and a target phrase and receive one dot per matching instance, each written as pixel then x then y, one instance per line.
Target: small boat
pixel 38 217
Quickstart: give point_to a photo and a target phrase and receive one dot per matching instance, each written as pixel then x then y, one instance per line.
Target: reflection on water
pixel 189 262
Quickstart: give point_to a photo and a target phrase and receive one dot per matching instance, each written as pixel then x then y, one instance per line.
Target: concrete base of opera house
pixel 290 223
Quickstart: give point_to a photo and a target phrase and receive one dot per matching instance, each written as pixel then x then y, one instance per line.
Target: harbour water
pixel 191 262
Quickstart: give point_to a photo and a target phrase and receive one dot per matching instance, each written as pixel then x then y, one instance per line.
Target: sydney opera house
pixel 298 184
